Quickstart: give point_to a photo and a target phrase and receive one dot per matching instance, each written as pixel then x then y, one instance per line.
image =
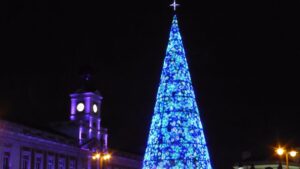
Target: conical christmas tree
pixel 176 139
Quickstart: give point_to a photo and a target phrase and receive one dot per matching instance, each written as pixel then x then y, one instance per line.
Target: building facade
pixel 266 165
pixel 22 147
pixel 73 145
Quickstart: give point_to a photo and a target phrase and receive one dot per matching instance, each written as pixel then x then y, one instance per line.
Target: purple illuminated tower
pixel 85 113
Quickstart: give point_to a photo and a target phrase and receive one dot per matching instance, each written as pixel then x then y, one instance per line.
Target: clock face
pixel 95 108
pixel 80 107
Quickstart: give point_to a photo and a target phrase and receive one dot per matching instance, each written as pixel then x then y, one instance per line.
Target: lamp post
pixel 101 157
pixel 281 151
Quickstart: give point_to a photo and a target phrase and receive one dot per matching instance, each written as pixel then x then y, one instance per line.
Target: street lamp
pixel 281 151
pixel 101 157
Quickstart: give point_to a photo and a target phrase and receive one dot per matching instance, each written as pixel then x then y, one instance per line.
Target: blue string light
pixel 176 139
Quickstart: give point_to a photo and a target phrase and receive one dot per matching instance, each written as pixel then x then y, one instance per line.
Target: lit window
pixel 61 164
pixel 25 162
pixel 6 160
pixel 50 164
pixel 72 164
pixel 38 163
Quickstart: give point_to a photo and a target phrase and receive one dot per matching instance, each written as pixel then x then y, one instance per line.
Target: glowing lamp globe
pixel 280 151
pixel 293 153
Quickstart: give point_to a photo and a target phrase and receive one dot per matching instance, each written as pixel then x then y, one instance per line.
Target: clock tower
pixel 85 113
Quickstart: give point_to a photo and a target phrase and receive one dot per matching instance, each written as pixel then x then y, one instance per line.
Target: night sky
pixel 243 59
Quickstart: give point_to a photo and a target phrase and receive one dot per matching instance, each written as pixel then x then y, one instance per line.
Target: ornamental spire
pixel 176 138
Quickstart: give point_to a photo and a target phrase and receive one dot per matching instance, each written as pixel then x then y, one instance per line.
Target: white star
pixel 174 5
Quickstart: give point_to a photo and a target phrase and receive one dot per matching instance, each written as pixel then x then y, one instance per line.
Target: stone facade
pixel 23 147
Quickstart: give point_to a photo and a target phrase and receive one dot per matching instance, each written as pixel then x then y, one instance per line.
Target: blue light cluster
pixel 176 139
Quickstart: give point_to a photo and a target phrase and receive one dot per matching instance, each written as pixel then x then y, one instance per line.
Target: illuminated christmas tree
pixel 176 138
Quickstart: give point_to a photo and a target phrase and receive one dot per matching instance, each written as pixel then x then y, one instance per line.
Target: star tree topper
pixel 174 5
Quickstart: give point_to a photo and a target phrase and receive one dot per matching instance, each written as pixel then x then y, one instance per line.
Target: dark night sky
pixel 243 58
